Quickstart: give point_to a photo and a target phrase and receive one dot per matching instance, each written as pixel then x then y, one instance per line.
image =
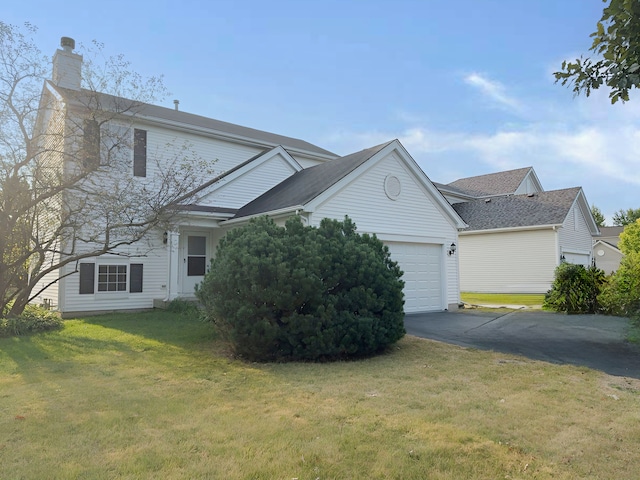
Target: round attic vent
pixel 392 187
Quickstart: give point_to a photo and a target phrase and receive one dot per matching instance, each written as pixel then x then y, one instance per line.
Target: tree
pixel 598 217
pixel 61 200
pixel 616 43
pixel 621 295
pixel 625 217
pixel 630 238
pixel 303 293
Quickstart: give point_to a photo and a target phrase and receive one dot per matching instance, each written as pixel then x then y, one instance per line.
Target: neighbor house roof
pixel 542 208
pixel 173 116
pixel 500 183
pixel 307 184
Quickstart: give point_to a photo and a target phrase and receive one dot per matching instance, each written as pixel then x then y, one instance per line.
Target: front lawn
pixel 154 396
pixel 499 299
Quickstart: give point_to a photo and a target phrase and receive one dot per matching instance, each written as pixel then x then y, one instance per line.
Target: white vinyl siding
pixel 413 217
pixel 250 185
pixel 575 238
pixel 507 262
pixel 154 263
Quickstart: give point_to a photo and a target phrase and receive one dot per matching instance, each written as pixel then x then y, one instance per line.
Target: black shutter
pixel 135 278
pixel 87 277
pixel 91 144
pixel 139 153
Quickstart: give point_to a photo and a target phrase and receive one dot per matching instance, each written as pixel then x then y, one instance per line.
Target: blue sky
pixel 466 86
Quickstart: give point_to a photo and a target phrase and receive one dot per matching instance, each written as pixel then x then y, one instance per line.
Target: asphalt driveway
pixel 594 341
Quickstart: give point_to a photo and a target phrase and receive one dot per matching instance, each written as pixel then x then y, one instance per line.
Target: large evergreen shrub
pixel 575 289
pixel 304 293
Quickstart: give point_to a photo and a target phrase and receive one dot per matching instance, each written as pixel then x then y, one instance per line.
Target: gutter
pixel 297 209
pixel 512 229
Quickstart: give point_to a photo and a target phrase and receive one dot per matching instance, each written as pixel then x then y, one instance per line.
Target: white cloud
pixel 584 142
pixel 492 89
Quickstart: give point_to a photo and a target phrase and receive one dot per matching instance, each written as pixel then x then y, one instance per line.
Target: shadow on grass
pixel 176 329
pixel 85 342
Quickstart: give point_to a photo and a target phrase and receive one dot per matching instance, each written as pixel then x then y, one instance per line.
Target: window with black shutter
pixel 135 278
pixel 91 144
pixel 87 277
pixel 139 153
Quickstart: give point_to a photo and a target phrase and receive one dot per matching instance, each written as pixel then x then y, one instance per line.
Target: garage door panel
pixel 422 267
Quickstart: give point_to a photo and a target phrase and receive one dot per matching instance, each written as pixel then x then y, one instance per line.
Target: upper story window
pixel 139 153
pixel 91 144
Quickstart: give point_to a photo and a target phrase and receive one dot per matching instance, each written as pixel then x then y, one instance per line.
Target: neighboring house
pixel 518 233
pixel 381 188
pixel 606 254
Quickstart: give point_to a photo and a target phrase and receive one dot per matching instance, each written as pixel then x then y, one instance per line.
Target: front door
pixel 195 259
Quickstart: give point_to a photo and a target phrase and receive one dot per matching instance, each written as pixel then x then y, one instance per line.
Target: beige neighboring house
pixel 606 254
pixel 518 233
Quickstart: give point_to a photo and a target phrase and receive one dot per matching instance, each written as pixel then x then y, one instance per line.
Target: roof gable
pixel 307 184
pixel 499 183
pixel 312 186
pixel 239 185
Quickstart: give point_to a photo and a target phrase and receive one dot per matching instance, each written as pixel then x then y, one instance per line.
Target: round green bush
pixel 303 293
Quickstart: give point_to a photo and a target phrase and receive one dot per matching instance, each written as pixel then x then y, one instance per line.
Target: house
pixel 518 233
pixel 606 254
pixel 257 173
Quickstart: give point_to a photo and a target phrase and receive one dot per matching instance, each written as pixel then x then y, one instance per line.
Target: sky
pixel 467 86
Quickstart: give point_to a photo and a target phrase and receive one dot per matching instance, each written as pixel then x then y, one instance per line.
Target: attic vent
pixel 392 187
pixel 487 200
pixel 531 195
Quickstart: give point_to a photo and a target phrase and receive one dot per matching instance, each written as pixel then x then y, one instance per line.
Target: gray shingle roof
pixel 500 183
pixel 172 115
pixel 543 208
pixel 305 185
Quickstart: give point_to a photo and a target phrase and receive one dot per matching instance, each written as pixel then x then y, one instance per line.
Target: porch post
pixel 173 261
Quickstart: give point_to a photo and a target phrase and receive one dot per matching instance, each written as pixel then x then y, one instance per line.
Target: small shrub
pixel 34 319
pixel 575 289
pixel 303 293
pixel 184 307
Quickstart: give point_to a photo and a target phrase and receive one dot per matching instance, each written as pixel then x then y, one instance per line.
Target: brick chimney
pixel 67 66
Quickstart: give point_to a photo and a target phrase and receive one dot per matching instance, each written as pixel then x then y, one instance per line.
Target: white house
pixel 518 233
pixel 257 173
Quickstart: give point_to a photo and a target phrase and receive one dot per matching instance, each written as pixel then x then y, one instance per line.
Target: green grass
pixel 530 300
pixel 154 396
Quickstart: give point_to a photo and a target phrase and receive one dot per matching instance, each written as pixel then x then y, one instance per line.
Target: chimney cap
pixel 67 43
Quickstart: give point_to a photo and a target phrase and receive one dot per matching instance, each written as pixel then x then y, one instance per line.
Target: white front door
pixel 195 259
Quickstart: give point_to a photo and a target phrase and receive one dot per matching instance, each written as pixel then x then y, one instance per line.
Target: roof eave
pixel 550 226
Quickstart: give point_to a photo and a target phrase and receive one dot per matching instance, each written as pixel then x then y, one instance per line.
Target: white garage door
pixel 422 267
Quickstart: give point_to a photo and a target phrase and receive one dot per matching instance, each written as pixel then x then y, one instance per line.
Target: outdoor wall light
pixel 452 249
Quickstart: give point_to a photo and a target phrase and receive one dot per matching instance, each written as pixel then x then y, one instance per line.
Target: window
pixel 111 278
pixel 91 144
pixel 139 153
